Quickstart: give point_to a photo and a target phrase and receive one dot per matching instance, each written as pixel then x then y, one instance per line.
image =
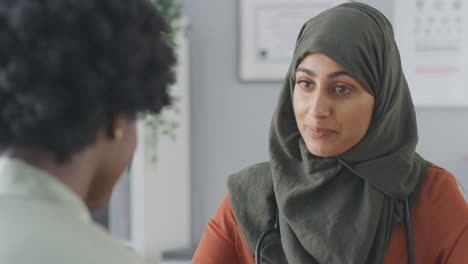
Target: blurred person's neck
pixel 77 173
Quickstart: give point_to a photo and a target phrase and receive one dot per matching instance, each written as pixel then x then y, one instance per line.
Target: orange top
pixel 439 219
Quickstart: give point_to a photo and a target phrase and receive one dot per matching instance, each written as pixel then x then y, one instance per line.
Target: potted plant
pixel 165 124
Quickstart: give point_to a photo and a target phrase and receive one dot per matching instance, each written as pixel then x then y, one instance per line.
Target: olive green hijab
pixel 341 209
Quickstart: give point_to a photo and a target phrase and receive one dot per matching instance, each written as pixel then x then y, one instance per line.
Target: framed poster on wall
pixel 268 32
pixel 432 36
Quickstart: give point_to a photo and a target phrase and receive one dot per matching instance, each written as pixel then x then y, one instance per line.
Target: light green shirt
pixel 42 221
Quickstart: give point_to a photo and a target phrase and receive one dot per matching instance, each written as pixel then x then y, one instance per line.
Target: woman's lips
pixel 318 132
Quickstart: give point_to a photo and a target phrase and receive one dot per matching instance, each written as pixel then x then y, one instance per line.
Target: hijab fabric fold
pixel 341 209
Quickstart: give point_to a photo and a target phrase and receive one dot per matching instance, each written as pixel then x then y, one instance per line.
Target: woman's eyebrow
pixel 329 76
pixel 336 74
pixel 309 72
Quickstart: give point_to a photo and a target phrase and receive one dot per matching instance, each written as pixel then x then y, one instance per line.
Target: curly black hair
pixel 67 66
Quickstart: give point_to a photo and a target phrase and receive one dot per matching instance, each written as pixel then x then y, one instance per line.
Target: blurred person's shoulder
pixel 44 222
pixel 51 234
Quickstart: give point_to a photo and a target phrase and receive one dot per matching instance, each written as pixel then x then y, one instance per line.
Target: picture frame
pixel 267 34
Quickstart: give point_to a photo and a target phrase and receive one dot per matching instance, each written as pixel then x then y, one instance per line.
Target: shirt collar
pixel 22 180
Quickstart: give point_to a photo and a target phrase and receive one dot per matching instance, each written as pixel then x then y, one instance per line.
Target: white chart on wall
pixel 268 32
pixel 433 39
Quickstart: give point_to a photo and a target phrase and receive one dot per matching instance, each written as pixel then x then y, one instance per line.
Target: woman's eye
pixel 341 89
pixel 305 84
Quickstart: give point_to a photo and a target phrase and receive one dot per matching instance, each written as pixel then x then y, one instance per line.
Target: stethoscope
pixel 276 229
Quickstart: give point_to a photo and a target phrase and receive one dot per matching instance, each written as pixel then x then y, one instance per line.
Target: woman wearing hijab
pixel 73 76
pixel 342 162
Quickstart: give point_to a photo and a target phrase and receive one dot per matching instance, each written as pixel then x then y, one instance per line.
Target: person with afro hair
pixel 74 75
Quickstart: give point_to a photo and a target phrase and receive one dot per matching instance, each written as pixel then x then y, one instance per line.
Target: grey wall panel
pixel 443 140
pixel 229 119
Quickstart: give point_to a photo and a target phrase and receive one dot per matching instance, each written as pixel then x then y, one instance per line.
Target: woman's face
pixel 333 111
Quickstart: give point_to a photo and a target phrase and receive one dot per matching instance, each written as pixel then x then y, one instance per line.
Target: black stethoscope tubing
pixel 407 220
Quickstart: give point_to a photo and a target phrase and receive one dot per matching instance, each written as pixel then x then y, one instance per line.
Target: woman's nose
pixel 320 105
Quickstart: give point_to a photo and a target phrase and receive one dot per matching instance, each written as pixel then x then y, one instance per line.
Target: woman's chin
pixel 323 151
